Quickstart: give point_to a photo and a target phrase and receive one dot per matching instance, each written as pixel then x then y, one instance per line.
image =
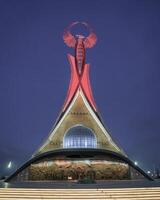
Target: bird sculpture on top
pixel 79 43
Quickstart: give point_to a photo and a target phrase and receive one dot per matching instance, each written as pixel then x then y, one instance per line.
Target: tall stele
pixel 78 145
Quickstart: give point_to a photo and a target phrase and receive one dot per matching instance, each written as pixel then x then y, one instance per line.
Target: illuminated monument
pixel 79 145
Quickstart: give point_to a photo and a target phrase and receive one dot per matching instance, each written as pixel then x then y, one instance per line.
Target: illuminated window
pixel 79 137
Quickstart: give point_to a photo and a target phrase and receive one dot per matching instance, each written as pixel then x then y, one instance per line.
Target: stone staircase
pixel 78 194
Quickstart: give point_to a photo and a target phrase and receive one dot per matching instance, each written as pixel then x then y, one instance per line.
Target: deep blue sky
pixel 125 72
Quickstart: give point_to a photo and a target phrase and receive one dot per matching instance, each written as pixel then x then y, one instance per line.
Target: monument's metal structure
pixel 79 145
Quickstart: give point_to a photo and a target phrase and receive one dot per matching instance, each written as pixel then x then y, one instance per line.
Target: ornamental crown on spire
pixel 79 69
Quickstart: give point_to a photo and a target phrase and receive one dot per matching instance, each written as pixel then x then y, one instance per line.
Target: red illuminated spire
pixel 79 69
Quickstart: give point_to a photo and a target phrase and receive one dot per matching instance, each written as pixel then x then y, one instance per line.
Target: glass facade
pixel 79 137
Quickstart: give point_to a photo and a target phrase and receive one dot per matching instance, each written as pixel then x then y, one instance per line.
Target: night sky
pixel 35 73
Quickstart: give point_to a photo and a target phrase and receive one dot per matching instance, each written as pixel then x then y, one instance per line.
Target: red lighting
pixel 86 86
pixel 79 70
pixel 79 81
pixel 74 81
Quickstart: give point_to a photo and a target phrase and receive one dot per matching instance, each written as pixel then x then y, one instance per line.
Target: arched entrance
pixel 79 137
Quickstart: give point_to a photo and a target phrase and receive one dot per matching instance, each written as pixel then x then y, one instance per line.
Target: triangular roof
pixel 79 112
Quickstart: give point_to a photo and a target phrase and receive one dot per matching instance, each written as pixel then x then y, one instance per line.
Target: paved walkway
pixel 69 185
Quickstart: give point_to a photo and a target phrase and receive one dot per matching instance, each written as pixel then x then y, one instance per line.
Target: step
pixel 152 193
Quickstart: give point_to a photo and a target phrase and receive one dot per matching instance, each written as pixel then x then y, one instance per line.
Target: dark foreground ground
pixel 74 185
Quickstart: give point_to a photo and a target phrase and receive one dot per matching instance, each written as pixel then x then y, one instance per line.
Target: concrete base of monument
pixel 77 164
pixel 74 184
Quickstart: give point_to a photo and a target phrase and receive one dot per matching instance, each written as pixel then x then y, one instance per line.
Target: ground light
pixel 9 166
pixel 136 163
